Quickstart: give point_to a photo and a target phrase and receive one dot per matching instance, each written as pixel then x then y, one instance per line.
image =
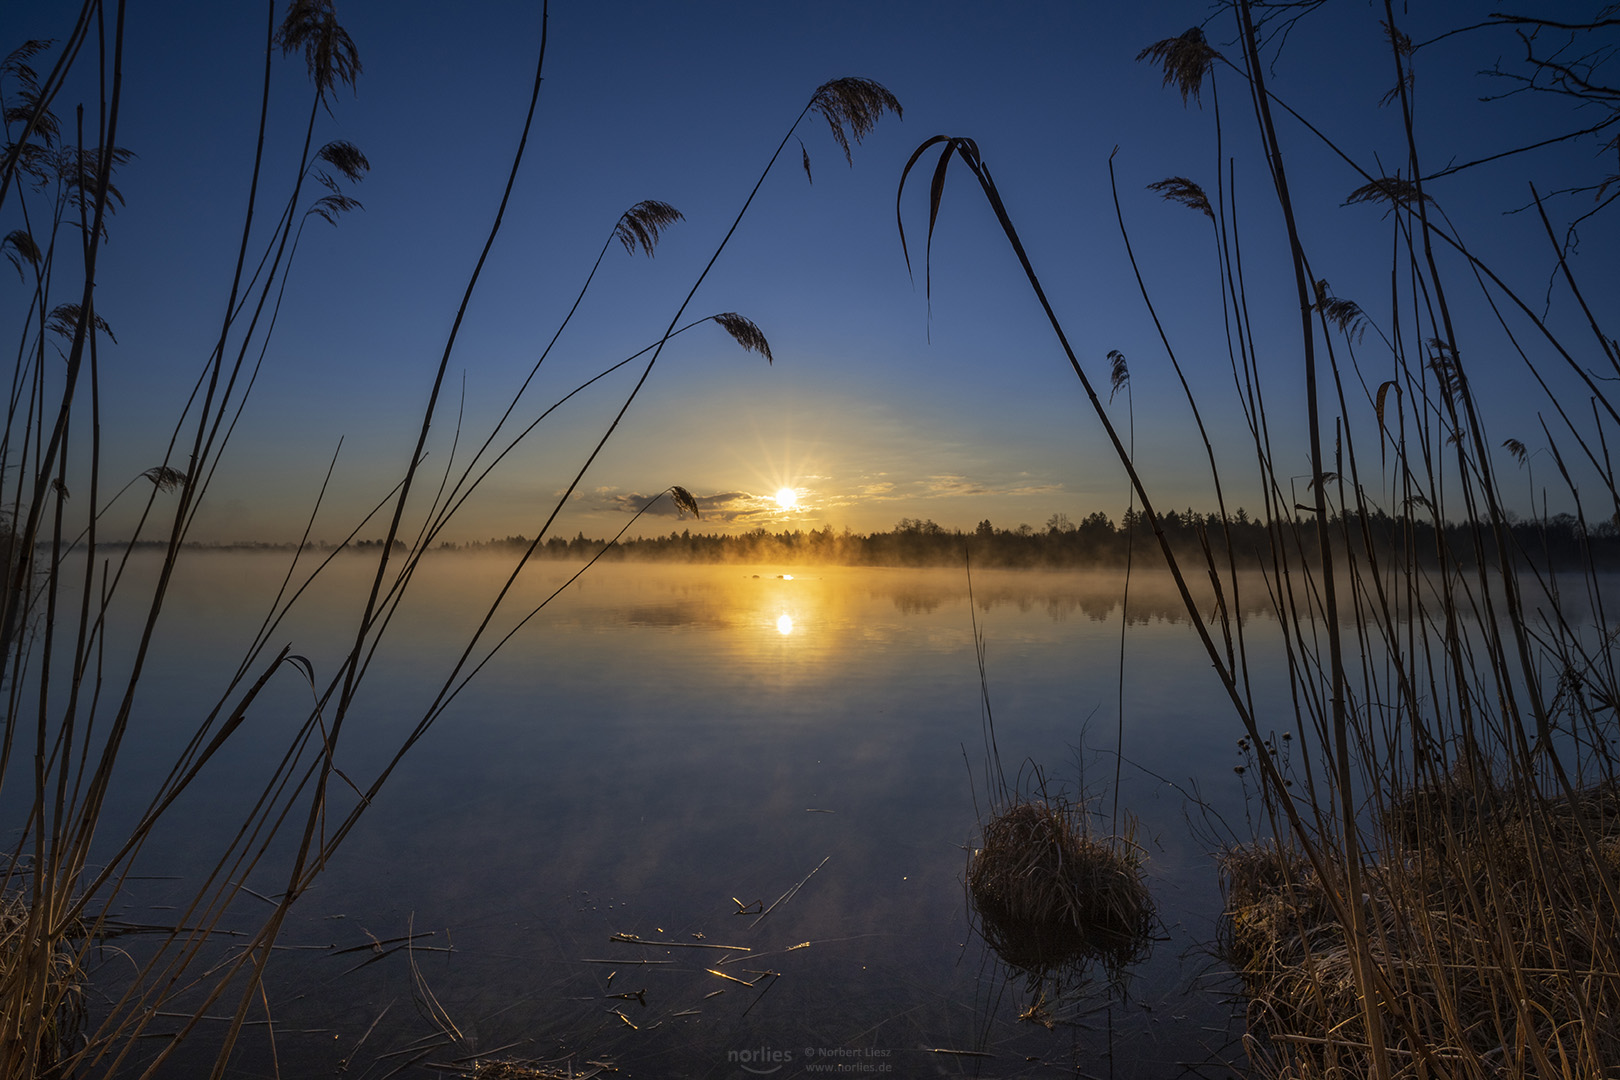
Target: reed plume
pixel 641 225
pixel 745 333
pixel 1185 60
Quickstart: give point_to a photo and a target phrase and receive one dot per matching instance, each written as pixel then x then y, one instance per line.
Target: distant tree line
pixel 1560 541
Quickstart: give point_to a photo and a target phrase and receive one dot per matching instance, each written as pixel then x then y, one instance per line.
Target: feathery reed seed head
pixel 1119 373
pixel 853 102
pixel 1185 59
pixel 64 320
pixel 745 333
pixel 640 225
pixel 684 502
pixel 329 51
pixel 346 158
pixel 1184 191
pixel 1397 191
pixel 19 245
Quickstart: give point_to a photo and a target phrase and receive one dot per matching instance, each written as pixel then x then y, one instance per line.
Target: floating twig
pixel 632 939
pixel 733 978
pixel 789 894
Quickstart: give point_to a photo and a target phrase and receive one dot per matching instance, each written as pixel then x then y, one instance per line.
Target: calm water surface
pixel 663 745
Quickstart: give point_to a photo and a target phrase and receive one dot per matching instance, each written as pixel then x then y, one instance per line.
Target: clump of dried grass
pixel 60 997
pixel 1488 923
pixel 1050 896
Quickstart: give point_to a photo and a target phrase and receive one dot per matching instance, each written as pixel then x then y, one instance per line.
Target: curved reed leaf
pixel 1185 59
pixel 953 144
pixel 329 51
pixel 853 102
pixel 640 225
pixel 803 150
pixel 1383 392
pixel 1184 191
pixel 746 333
pixel 684 502
pixel 304 666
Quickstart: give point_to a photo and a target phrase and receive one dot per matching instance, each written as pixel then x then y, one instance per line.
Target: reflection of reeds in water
pixel 1406 922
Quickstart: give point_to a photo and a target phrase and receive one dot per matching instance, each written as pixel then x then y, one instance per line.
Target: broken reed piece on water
pixel 529 1070
pixel 1051 897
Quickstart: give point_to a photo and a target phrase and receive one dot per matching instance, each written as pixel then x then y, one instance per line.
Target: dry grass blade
pixel 1184 191
pixel 329 51
pixel 1185 59
pixel 745 333
pixel 640 225
pixel 855 103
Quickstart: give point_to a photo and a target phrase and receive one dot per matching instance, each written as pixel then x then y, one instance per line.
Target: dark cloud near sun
pixel 727 507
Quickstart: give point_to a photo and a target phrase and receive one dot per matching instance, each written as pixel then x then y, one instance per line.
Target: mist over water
pixel 664 747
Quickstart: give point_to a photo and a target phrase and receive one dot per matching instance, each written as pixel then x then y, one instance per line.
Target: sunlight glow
pixel 787 498
pixel 784 625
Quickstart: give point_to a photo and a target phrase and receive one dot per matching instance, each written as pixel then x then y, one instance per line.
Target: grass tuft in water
pixel 1053 897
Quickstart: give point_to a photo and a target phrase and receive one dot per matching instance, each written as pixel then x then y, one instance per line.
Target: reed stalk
pixel 69 720
pixel 1438 899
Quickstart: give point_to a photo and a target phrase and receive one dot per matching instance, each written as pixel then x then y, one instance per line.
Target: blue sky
pixel 878 405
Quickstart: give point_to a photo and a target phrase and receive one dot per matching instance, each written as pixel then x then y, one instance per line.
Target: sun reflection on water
pixel 784 625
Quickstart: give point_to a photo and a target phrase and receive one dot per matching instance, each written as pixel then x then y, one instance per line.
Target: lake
pixel 665 751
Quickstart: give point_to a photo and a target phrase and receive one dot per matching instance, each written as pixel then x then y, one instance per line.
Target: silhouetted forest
pixel 1561 541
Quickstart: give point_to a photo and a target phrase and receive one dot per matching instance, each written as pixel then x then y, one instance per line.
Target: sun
pixel 787 498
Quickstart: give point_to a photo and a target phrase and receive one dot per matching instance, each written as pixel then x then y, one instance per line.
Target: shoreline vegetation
pixel 1560 542
pixel 1448 705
